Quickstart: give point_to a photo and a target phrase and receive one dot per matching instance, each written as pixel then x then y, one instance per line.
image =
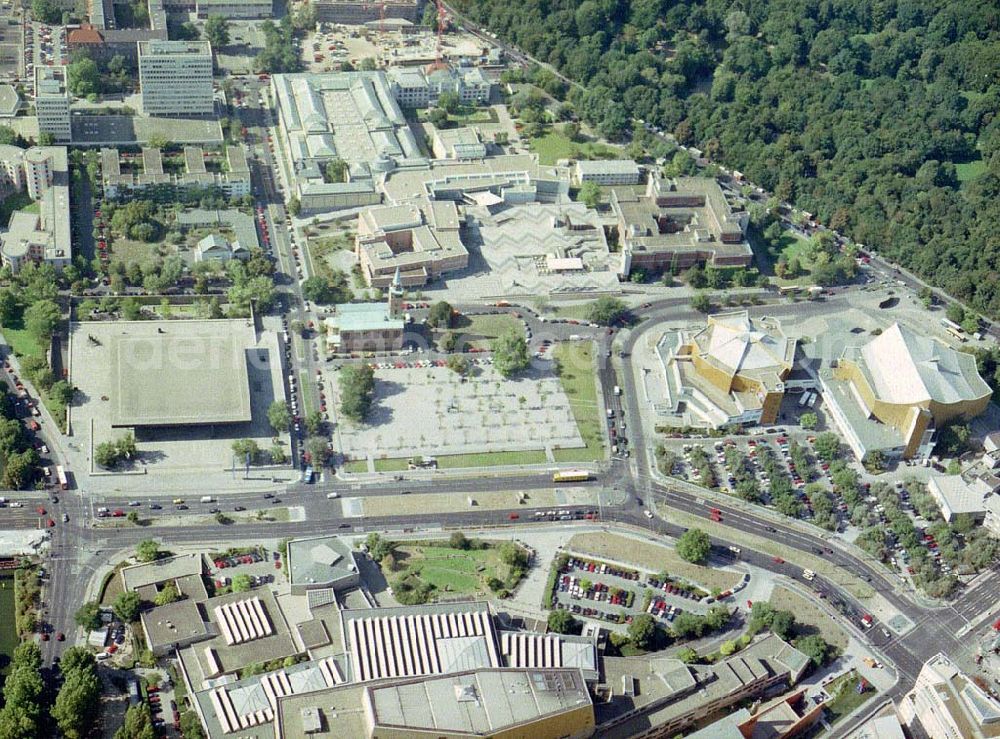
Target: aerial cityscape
pixel 552 368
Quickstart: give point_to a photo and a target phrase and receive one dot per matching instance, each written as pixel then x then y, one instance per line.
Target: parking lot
pixel 594 589
pixel 257 563
pixel 44 46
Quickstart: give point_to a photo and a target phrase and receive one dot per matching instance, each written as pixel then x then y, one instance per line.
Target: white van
pixel 331 496
pixel 206 499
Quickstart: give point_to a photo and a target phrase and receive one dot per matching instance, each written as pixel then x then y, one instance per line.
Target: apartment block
pixel 175 78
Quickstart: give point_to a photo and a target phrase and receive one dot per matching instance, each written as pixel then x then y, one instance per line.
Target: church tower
pixel 396 296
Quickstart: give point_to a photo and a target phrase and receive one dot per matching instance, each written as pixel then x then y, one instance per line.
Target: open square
pixel 461 415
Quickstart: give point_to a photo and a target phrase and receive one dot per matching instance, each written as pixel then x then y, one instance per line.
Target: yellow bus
pixel 571 476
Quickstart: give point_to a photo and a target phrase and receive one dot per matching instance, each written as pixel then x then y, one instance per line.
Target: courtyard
pixel 461 415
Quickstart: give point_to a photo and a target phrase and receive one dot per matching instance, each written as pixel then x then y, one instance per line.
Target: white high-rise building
pixel 175 78
pixel 52 102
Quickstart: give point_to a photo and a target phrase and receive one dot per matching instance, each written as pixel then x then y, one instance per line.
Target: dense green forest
pixel 879 116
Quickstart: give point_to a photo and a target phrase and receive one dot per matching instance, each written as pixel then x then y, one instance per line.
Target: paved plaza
pixel 433 412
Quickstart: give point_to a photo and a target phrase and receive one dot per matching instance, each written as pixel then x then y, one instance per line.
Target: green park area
pixel 574 364
pixel 554 145
pixel 845 697
pixel 809 617
pixel 456 568
pixel 478 331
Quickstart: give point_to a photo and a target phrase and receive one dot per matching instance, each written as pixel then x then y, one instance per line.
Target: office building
pixel 891 394
pixel 678 223
pixel 357 12
pixel 52 102
pixel 175 78
pixel 608 172
pixel 411 242
pixel 663 697
pixel 235 10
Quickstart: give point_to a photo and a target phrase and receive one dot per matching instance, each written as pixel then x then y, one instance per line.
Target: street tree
pixel 279 416
pixel 694 546
pixel 808 420
pixel 814 647
pixel 440 315
pixel 701 302
pixel 41 319
pixel 827 446
pixel 562 622
pixel 242 583
pixel 137 724
pixel 88 616
pixel 217 31
pixel 510 353
pixel 606 310
pixel 126 606
pixel 147 550
pixel 314 423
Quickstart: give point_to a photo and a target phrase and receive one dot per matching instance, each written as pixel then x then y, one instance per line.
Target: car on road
pixel 647 514
pixel 178 501
pixel 65 518
pixel 134 503
pixel 155 506
pixel 182 507
pixel 60 636
pixel 239 508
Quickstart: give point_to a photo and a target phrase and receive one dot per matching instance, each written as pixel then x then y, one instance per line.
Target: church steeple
pixel 396 296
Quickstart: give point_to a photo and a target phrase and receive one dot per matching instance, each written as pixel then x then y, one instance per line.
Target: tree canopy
pixel 510 353
pixel 357 390
pixel 879 118
pixel 694 545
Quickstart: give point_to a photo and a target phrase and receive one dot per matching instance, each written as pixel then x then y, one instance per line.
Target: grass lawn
pixel 359 465
pixel 970 170
pixel 479 331
pixel 555 145
pixel 23 343
pixel 450 571
pixel 577 377
pixel 651 557
pixel 491 459
pixel 813 618
pixel 577 310
pixel 127 251
pixel 388 465
pixel 845 696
